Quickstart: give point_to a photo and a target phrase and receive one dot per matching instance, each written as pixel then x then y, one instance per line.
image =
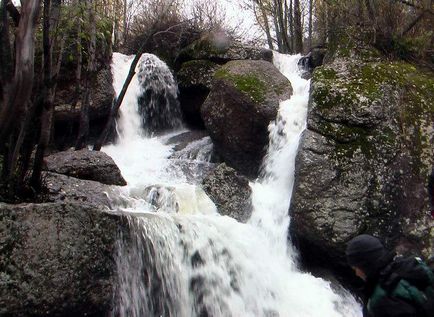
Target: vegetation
pixel 380 84
pixel 35 54
pixel 397 27
pixel 250 84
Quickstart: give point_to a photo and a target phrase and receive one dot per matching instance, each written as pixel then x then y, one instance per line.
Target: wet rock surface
pixel 244 98
pixel 230 192
pixel 86 164
pixel 182 140
pixel 364 160
pixel 56 259
pixel 62 188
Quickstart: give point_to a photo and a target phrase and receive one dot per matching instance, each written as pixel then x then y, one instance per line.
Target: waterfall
pixel 180 257
pixel 158 102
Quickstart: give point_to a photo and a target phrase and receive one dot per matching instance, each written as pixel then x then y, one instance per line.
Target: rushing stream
pixel 181 258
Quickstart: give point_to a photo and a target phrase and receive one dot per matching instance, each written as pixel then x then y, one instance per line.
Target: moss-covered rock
pixel 249 84
pixel 366 157
pixel 243 100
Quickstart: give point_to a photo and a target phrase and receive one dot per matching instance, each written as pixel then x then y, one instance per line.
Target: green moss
pixel 323 73
pixel 366 83
pixel 249 84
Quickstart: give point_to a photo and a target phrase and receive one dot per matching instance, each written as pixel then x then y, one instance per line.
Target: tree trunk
pixel 266 25
pixel 277 28
pixel 51 18
pixel 79 58
pixel 291 25
pixel 310 26
pixel 83 131
pixel 22 81
pixel 17 100
pixel 5 53
pixel 125 22
pixel 298 30
pixel 283 29
pixel 78 72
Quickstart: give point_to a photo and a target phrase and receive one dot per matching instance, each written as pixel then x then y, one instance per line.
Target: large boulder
pixel 62 188
pixel 197 64
pixel 194 83
pixel 364 159
pixel 86 164
pixel 56 259
pixel 230 192
pixel 243 100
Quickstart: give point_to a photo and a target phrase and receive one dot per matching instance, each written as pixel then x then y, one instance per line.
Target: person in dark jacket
pixel 395 286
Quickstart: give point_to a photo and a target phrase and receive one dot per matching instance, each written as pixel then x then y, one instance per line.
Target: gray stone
pixel 62 188
pixel 56 259
pixel 182 140
pixel 86 164
pixel 193 171
pixel 243 100
pixel 364 159
pixel 230 192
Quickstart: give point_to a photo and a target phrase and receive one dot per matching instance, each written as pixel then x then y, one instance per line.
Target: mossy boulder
pixel 194 83
pixel 244 98
pixel 57 259
pixel 365 158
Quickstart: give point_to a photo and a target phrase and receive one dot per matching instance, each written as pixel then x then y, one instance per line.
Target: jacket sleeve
pixel 394 307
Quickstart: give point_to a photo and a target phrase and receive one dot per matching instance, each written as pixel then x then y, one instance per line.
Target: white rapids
pixel 181 258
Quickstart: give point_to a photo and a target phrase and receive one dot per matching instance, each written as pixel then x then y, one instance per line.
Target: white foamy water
pixel 181 258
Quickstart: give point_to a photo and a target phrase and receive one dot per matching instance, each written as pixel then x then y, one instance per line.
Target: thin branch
pixel 413 23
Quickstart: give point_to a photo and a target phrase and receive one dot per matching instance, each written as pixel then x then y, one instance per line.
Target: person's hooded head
pixel 365 252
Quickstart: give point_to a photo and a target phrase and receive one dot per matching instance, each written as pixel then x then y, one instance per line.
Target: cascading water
pixel 180 257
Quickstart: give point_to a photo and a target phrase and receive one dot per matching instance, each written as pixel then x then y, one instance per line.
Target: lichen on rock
pixel 365 157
